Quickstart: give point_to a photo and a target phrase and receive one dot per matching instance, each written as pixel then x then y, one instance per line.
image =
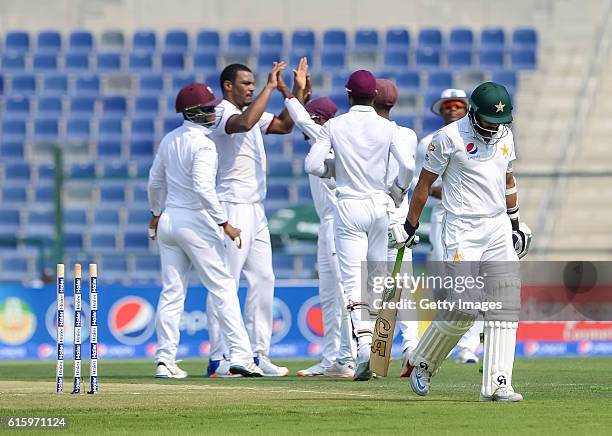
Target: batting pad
pixel 498 360
pixel 506 291
pixel 440 338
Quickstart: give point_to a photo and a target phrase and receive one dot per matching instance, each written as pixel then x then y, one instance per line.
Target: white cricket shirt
pixel 420 159
pixel 241 177
pixel 473 172
pixel 183 172
pixel 361 141
pixel 407 136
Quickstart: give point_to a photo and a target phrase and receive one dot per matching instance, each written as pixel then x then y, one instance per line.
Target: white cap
pixel 450 94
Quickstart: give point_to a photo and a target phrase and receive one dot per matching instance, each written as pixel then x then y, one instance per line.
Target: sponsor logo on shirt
pixel 471 149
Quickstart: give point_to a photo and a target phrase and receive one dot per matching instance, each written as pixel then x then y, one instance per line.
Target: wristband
pixel 513 212
pixel 224 225
pixel 410 229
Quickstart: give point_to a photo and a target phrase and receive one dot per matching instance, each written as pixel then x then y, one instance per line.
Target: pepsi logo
pixel 310 320
pixel 131 320
pixel 471 148
pixel 281 320
pixel 584 347
pixel 45 351
pixel 151 349
pixel 314 349
pixel 531 348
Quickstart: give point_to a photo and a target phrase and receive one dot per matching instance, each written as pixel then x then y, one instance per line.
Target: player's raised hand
pixel 308 90
pixel 273 76
pixel 301 73
pixel 233 233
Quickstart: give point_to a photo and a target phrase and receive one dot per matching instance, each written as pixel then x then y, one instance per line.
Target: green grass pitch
pixel 562 396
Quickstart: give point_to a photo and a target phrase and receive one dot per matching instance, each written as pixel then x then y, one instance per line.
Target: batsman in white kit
pixel 362 142
pixel 337 355
pixel 481 227
pixel 188 223
pixel 241 187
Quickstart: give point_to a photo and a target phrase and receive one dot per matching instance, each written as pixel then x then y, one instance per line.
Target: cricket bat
pixel 384 328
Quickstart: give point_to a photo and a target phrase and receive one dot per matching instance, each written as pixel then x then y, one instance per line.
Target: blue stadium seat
pixel 80 41
pixel 176 41
pixel 138 218
pixel 55 84
pixel 1 84
pixel 144 40
pixel 430 37
pixel 239 41
pixel 332 61
pixel 396 60
pixel 524 59
pixel 304 194
pixel 440 79
pixel 112 40
pixel 9 219
pixel 14 196
pixel 13 129
pixel 524 37
pixel 45 172
pixel 458 57
pixel 40 218
pixel 141 149
pixel 141 61
pixel 44 62
pixel 274 146
pixel 136 240
pixel 278 191
pixel 17 106
pixel 142 128
pixel 303 39
pixel 102 241
pixel 427 57
pixel 82 171
pixel 114 104
pixel 14 267
pixel 397 39
pixel 279 168
pixel 13 62
pixel 491 58
pixel 172 62
pixel 492 38
pixel 171 122
pixel 17 171
pixel 300 146
pixel 49 106
pixel 82 106
pixel 151 83
pixel 11 150
pixel 78 129
pixel 49 41
pixel 147 264
pixel 340 99
pixel 180 80
pixel 106 217
pixel 44 195
pixel 431 122
pixel 296 55
pixel 113 265
pixel 141 171
pixel 46 129
pixel 271 40
pixel 334 40
pixel 205 61
pixel 338 81
pixel 366 40
pixel 87 85
pixel 115 169
pixel 404 120
pixel 73 241
pixel 23 84
pixel 74 219
pixel 283 265
pixel 505 77
pixel 461 37
pixel 109 148
pixel 112 193
pixel 265 59
pixel 208 41
pixel 146 105
pixel 76 62
pixel 110 128
pixel 108 62
pixel 17 41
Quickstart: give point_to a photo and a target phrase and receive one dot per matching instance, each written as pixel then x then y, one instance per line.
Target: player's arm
pixel 403 149
pixel 419 197
pixel 283 123
pixel 302 118
pixel 156 189
pixel 245 121
pixel 512 198
pixel 316 162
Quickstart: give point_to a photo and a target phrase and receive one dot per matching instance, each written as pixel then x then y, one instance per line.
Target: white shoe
pixel 465 355
pixel 246 370
pixel 505 395
pixel 313 371
pixel 420 380
pixel 406 355
pixel 168 370
pixel 340 370
pixel 269 369
pixel 219 369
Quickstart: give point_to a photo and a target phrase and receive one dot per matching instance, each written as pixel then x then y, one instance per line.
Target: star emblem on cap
pixel 499 107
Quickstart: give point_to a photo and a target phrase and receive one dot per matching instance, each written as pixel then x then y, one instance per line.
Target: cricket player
pixel 480 231
pixel 451 106
pixel 386 97
pixel 188 223
pixel 337 356
pixel 241 187
pixel 362 142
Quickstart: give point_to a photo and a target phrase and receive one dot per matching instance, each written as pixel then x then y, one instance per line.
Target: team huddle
pixel 370 179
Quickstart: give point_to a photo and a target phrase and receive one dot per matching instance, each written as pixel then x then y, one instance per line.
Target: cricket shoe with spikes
pixel 340 370
pixel 246 370
pixel 313 371
pixel 503 394
pixel 406 368
pixel 219 369
pixel 269 369
pixel 169 370
pixel 363 372
pixel 420 379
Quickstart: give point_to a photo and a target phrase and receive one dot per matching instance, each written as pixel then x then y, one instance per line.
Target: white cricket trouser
pixel 189 238
pixel 254 260
pixel 360 228
pixel 336 323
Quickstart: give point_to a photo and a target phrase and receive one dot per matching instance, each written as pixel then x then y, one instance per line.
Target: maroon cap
pixel 386 93
pixel 362 83
pixel 195 94
pixel 322 107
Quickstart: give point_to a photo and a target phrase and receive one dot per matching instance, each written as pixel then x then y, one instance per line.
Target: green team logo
pixel 17 321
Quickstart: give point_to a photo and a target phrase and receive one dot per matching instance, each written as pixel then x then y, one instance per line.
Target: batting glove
pixel 521 239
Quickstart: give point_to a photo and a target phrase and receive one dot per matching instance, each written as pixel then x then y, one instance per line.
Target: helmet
pixel 490 101
pixel 450 94
pixel 194 95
